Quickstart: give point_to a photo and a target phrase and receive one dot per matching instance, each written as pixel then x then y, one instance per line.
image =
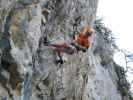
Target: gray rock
pixel 29 69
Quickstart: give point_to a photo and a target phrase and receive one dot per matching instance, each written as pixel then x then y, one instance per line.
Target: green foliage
pixel 104 42
pixel 123 85
pixel 124 92
pixel 105 32
pixel 130 96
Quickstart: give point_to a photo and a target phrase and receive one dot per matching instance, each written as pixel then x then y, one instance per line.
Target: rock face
pixel 27 68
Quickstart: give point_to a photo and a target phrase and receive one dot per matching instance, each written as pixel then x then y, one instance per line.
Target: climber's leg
pixel 58 57
pixel 69 50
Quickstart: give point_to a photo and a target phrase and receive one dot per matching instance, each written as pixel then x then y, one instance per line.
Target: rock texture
pixel 27 68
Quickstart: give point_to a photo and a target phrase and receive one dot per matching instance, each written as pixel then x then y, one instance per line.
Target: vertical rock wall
pixel 27 69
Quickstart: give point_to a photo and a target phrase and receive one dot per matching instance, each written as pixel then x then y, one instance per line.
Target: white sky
pixel 118 16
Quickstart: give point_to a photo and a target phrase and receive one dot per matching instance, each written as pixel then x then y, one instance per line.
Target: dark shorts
pixel 78 47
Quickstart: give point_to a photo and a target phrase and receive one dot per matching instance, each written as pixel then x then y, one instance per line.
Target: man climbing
pixel 81 42
pixel 84 40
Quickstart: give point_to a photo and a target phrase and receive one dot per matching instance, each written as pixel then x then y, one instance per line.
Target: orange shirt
pixel 83 40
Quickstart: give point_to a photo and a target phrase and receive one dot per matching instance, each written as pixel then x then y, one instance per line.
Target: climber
pixel 83 40
pixel 59 50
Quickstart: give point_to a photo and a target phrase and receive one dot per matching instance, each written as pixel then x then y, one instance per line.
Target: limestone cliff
pixel 27 68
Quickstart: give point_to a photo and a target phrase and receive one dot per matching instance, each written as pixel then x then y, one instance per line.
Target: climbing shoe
pixel 59 62
pixel 83 50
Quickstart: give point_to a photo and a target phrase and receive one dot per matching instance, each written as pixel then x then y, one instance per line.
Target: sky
pixel 118 16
